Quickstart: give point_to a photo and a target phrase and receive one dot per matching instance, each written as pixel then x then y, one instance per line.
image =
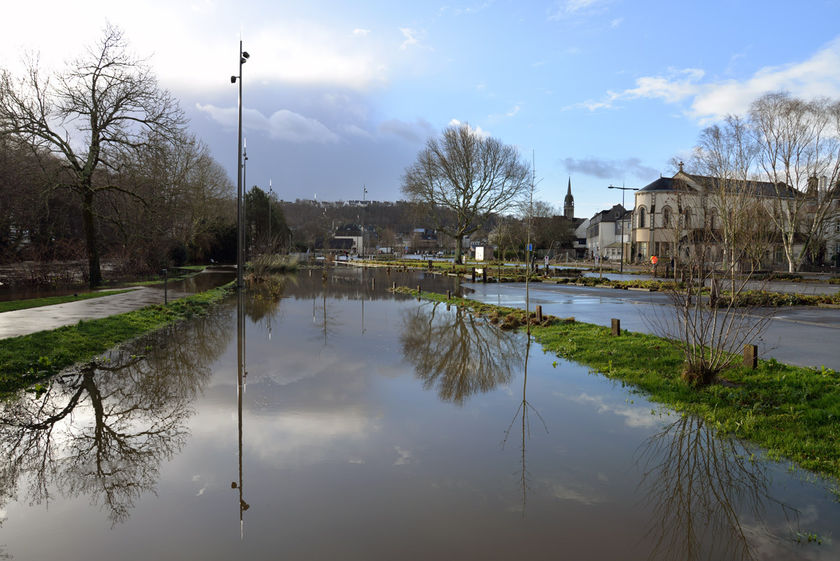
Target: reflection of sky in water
pixel 346 455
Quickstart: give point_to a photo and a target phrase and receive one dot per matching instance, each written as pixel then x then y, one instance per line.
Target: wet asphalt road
pixel 801 335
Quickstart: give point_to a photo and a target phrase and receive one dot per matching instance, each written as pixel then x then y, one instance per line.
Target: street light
pixel 364 192
pixel 623 189
pixel 240 236
pixel 270 192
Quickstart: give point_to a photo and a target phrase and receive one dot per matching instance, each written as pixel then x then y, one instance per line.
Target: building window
pixel 666 217
pixel 642 217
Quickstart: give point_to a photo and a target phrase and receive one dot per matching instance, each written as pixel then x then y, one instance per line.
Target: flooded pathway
pixel 345 422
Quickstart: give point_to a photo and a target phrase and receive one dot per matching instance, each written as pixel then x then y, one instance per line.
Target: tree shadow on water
pixel 458 353
pixel 700 486
pixel 103 429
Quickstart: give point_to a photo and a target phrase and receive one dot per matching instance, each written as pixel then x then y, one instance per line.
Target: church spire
pixel 569 203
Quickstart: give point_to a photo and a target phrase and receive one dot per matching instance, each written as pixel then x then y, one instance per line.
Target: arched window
pixel 666 217
pixel 641 217
pixel 688 218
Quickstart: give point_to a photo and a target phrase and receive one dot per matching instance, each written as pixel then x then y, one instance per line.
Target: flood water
pixel 351 423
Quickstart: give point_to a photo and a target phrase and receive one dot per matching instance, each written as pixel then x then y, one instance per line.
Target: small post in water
pixel 539 314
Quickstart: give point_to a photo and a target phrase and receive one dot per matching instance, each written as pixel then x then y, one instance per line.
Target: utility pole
pixel 240 253
pixel 623 189
pixel 364 208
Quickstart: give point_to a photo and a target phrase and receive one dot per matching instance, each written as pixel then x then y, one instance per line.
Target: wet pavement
pixel 800 335
pixel 25 322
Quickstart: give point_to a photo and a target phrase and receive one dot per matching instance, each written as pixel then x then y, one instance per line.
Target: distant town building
pixel 569 203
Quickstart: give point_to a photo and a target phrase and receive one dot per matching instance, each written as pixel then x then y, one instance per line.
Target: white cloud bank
pixel 282 125
pixel 714 99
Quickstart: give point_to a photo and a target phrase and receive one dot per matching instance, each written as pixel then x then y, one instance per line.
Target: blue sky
pixel 344 94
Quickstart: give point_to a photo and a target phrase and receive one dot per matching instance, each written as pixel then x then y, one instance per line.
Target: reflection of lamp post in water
pixel 240 390
pixel 623 229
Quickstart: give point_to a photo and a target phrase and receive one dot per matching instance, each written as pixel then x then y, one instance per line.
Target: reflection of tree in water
pixel 324 320
pixel 458 353
pixel 523 412
pixel 265 296
pixel 103 430
pixel 699 484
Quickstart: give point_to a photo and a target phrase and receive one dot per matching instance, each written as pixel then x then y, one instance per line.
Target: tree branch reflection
pixel 104 429
pixel 699 486
pixel 523 413
pixel 458 353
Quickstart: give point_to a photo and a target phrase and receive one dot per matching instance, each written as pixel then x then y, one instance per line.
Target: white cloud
pixel 714 99
pixel 403 456
pixel 574 8
pixel 201 40
pixel 475 130
pixel 634 417
pixel 411 38
pixel 281 125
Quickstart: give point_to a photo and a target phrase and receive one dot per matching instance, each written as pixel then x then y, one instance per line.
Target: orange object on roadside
pixel 654 259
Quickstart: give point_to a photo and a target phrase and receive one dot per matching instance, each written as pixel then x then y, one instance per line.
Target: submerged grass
pixel 52 300
pixel 792 412
pixel 31 358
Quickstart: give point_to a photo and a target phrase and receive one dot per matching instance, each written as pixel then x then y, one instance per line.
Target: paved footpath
pixel 24 322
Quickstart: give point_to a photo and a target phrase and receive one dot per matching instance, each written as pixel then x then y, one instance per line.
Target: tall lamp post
pixel 240 237
pixel 270 192
pixel 364 208
pixel 623 189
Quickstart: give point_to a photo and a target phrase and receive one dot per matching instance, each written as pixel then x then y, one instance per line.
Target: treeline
pixel 97 160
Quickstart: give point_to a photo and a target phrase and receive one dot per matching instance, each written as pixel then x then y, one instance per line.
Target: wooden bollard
pixel 539 314
pixel 484 274
pixel 449 295
pixel 751 356
pixel 393 286
pixel 616 327
pixel 473 274
pixel 418 289
pixel 373 283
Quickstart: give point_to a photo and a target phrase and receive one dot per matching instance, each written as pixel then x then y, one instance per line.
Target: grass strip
pixel 30 358
pixel 792 412
pixel 52 300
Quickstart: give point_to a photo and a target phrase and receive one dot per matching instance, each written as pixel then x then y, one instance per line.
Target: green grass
pixel 51 300
pixel 31 358
pixel 792 412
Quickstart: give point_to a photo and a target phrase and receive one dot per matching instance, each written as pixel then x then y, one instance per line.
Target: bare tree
pixel 105 104
pixel 469 174
pixel 799 152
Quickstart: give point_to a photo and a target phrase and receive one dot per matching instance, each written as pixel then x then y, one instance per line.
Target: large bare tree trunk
pixel 89 222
